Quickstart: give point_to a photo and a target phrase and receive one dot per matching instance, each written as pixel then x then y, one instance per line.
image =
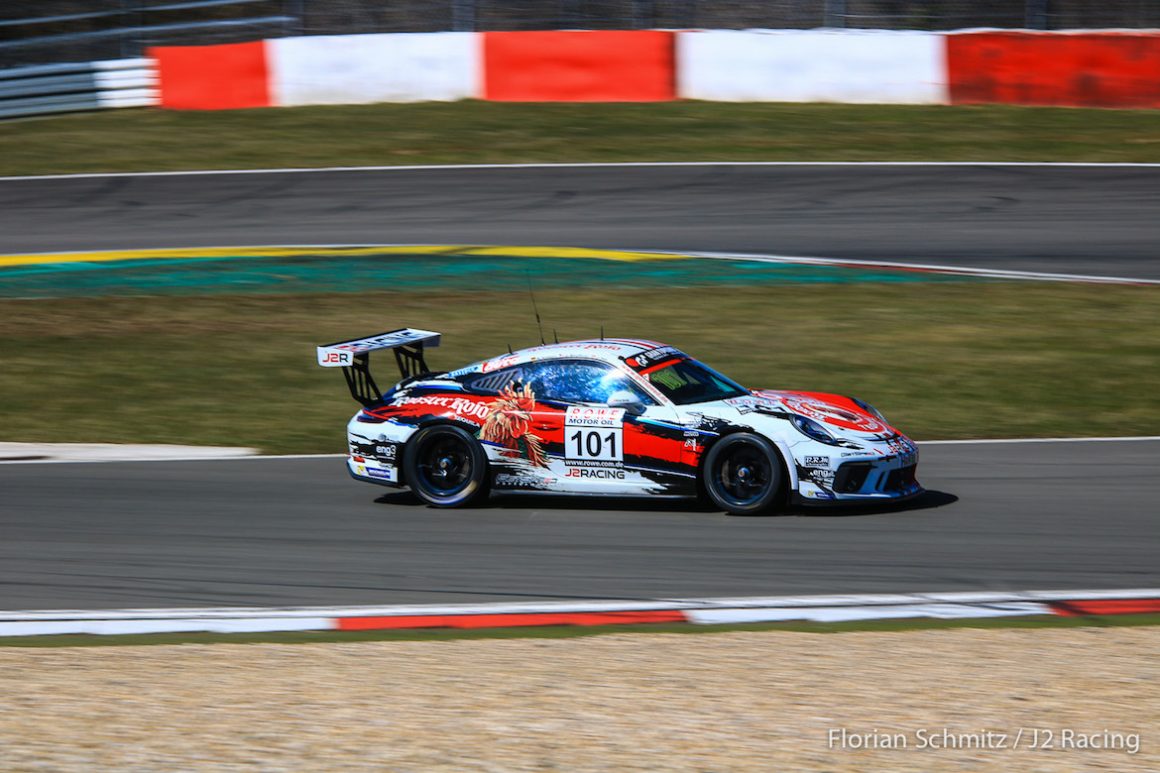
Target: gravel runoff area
pixel 712 702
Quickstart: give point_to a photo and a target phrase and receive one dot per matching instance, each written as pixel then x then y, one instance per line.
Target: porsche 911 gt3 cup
pixel 616 416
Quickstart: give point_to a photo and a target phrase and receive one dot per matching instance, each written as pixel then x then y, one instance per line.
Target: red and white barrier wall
pixel 812 66
pixel 1091 69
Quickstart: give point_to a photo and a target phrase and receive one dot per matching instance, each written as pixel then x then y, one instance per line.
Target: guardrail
pixel 67 88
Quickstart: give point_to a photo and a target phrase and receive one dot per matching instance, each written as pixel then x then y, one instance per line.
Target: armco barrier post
pixel 835 13
pixel 463 15
pixel 1036 14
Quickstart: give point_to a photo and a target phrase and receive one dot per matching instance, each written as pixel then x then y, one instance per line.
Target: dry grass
pixel 473 132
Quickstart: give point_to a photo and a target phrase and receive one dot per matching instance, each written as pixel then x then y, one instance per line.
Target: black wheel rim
pixel 745 475
pixel 445 465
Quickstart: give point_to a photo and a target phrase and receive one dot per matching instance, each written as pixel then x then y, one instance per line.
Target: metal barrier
pixel 67 88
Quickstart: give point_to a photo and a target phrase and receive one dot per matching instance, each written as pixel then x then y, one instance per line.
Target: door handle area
pixel 544 426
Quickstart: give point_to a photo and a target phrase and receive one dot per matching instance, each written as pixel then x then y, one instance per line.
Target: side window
pixel 578 381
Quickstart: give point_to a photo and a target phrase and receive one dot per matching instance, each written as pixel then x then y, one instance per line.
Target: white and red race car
pixel 614 416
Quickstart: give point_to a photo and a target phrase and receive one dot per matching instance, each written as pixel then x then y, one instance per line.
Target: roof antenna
pixel 536 309
pixel 510 349
pixel 555 336
pixel 602 332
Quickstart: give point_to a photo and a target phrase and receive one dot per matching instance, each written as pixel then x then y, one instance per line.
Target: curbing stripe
pixel 168 625
pixel 467 251
pixel 560 607
pixel 1079 608
pixel 223 253
pixel 946 606
pixel 404 622
pixel 844 614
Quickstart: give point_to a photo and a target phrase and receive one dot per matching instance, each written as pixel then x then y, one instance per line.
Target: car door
pixel 595 446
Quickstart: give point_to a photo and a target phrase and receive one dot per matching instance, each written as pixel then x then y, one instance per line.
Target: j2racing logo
pixel 597 472
pixel 335 358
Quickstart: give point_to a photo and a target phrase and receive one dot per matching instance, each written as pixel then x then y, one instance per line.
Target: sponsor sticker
pixel 330 358
pixel 462 407
pixel 833 415
pixel 644 359
pixel 815 461
pixel 601 473
pixel 750 404
pixel 593 435
pixel 594 416
pixel 822 477
pixel 499 363
pixel 386 473
pixel 509 480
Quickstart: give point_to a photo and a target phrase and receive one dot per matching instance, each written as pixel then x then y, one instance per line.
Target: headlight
pixel 812 430
pixel 870 409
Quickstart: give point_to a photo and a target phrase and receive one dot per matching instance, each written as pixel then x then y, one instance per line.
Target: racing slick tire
pixel 445 466
pixel 743 475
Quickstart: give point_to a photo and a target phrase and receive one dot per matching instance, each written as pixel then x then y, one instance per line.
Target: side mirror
pixel 625 399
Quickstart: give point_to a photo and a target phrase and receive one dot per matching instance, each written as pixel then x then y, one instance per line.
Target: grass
pixel 569 631
pixel 483 132
pixel 942 360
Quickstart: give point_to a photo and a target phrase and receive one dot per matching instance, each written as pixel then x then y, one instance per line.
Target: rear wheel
pixel 446 466
pixel 743 474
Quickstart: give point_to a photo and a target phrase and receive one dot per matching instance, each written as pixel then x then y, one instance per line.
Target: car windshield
pixel 688 381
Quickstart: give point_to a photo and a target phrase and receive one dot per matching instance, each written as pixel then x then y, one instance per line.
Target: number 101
pixel 590 444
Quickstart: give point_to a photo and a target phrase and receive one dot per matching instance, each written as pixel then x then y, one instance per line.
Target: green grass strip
pixel 330 273
pixel 942 360
pixel 567 632
pixel 483 132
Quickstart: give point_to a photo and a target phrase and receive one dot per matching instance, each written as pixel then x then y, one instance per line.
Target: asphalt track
pixel 1101 220
pixel 289 532
pixel 278 532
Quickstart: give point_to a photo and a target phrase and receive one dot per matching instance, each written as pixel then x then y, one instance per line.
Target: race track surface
pixel 290 532
pixel 1084 220
pixel 299 531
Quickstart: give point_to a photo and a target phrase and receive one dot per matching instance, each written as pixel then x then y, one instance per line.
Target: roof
pixel 611 350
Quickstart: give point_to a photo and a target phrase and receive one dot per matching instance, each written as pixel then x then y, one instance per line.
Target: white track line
pixel 591 165
pixel 175 459
pixel 1128 439
pixel 987 273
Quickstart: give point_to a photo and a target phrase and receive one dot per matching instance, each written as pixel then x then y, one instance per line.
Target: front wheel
pixel 743 474
pixel 445 466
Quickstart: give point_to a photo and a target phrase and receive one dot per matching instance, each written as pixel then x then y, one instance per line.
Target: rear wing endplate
pixel 354 358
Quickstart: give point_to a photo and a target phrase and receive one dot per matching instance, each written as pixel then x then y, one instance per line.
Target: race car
pixel 610 416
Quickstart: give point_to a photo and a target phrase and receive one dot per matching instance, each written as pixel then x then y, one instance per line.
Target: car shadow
pixel 508 501
pixel 927 500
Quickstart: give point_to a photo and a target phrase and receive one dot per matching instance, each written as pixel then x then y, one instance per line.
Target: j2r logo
pixel 337 358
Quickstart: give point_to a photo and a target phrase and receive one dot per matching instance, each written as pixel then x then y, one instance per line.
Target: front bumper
pixel 862 478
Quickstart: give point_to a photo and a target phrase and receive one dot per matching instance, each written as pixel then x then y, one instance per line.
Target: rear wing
pixel 354 358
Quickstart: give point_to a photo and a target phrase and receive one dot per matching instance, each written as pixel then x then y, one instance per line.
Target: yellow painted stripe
pixel 289 252
pixel 569 252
